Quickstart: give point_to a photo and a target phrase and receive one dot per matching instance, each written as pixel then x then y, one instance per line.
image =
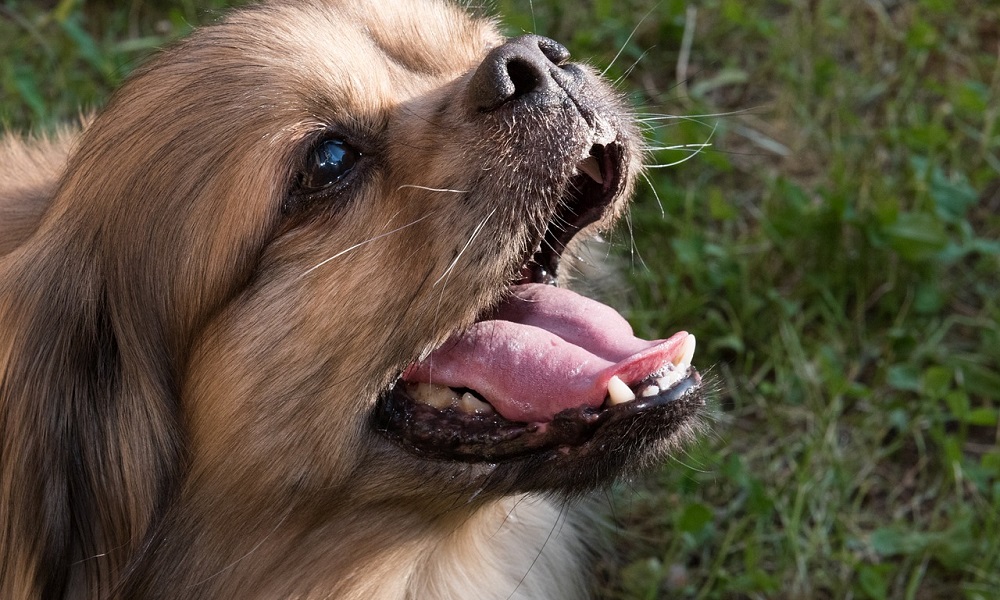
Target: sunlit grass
pixel 835 249
pixel 836 252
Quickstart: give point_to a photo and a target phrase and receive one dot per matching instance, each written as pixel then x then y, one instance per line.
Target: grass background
pixel 835 249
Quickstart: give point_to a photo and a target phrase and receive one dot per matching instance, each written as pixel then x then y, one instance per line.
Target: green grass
pixel 835 249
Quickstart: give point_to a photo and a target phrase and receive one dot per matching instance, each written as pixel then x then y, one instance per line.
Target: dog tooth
pixel 472 405
pixel 418 392
pixel 591 168
pixel 619 392
pixel 686 355
pixel 649 391
pixel 438 396
pixel 670 379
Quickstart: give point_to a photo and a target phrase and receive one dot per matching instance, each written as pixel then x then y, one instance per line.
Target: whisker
pixel 632 67
pixel 656 195
pixel 240 559
pixel 368 241
pixel 561 516
pixel 509 514
pixel 678 147
pixel 475 233
pixel 673 164
pixel 694 149
pixel 472 238
pixel 634 252
pixel 645 117
pixel 430 189
pixel 628 39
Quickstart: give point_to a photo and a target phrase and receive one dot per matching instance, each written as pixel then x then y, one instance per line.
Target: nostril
pixel 522 67
pixel 525 77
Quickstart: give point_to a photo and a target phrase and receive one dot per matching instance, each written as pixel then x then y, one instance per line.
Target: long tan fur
pixel 189 360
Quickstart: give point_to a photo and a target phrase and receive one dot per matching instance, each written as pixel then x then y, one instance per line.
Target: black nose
pixel 517 69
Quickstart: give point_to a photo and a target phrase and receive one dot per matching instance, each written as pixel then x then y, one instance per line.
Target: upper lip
pixel 589 194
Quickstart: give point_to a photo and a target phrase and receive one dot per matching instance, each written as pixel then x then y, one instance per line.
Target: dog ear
pixel 89 444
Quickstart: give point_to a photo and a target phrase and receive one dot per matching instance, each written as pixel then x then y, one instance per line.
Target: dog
pixel 288 319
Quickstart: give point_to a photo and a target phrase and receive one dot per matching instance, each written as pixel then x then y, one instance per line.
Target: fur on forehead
pixel 357 57
pixel 277 72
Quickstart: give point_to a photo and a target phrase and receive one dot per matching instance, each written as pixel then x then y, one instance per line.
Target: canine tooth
pixel 472 405
pixel 438 396
pixel 649 391
pixel 618 391
pixel 591 168
pixel 686 355
pixel 670 379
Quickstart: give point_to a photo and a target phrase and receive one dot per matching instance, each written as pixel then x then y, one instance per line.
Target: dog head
pixel 306 261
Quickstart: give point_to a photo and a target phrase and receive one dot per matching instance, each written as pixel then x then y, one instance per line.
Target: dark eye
pixel 329 163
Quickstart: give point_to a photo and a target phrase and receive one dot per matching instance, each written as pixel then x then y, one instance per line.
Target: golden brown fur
pixel 189 355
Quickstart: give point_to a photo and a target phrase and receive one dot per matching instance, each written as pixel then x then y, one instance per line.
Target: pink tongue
pixel 547 349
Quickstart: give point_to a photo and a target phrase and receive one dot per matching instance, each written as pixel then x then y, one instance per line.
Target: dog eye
pixel 329 163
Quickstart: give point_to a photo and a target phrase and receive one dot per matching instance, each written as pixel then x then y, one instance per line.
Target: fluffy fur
pixel 190 352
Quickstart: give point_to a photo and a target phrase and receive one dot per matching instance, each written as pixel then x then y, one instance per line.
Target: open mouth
pixel 547 369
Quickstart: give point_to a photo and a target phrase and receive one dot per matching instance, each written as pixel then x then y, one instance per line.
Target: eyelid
pixel 338 165
pixel 301 195
pixel 364 136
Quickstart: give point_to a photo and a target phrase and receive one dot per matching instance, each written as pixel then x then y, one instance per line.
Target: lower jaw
pixel 582 433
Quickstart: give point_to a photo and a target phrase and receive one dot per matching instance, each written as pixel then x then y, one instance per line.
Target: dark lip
pixel 450 434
